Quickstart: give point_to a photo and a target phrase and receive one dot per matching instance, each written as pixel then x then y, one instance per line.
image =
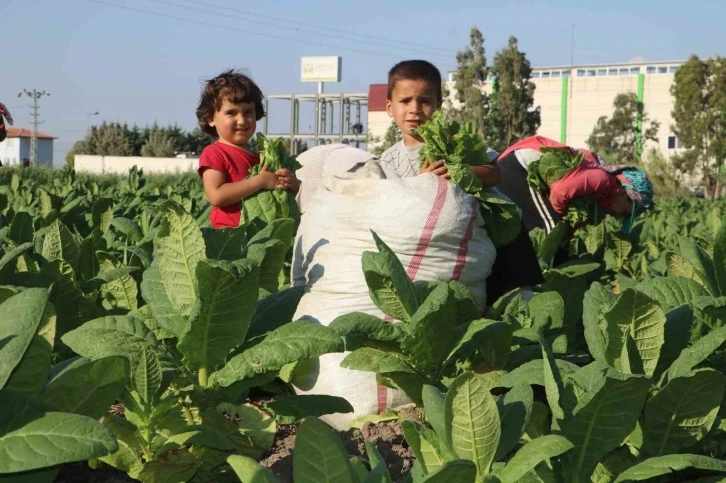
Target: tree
pixel 108 139
pixel 196 140
pixel 617 138
pixel 699 111
pixel 469 80
pixel 663 175
pixel 392 136
pixel 512 115
pixel 158 145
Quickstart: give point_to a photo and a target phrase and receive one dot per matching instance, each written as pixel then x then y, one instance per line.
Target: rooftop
pixel 21 132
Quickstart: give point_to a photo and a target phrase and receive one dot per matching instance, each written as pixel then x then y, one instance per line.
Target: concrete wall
pixel 10 152
pixel 378 123
pixel 13 150
pixel 122 164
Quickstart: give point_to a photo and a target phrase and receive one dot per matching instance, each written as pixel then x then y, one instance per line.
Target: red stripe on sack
pixel 428 231
pixel 464 245
pixel 442 189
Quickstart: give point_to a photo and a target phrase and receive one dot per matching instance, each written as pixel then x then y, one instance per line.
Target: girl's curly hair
pixel 232 85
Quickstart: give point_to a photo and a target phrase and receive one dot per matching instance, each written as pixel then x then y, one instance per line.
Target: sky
pixel 143 61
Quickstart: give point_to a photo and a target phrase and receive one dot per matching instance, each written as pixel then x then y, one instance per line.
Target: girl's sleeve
pixel 211 158
pixel 582 182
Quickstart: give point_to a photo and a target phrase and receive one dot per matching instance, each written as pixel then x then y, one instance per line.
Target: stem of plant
pixel 187 412
pixel 203 377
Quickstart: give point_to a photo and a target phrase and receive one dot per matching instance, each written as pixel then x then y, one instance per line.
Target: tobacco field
pixel 139 344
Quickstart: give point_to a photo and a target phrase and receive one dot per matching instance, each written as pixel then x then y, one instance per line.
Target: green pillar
pixel 641 93
pixel 563 110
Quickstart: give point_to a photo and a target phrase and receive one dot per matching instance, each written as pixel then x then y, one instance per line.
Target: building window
pixel 602 72
pixel 672 142
pixel 662 70
pixel 581 73
pixel 623 71
pixel 591 73
pixel 545 75
pixel 673 69
pixel 536 75
pixel 650 69
pixel 566 73
pixel 556 73
pixel 613 72
pixel 635 70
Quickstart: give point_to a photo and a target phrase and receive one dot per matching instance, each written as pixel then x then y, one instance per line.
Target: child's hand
pixel 438 168
pixel 268 180
pixel 288 180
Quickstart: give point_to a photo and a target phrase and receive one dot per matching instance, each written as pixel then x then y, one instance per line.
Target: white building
pixel 16 147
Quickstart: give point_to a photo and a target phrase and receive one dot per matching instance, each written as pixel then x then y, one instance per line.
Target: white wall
pixel 122 164
pixel 378 123
pixel 10 152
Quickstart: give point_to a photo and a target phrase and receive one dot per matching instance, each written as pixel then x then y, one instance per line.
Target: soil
pixel 387 436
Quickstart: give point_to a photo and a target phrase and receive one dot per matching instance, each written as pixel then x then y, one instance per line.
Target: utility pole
pixel 35 114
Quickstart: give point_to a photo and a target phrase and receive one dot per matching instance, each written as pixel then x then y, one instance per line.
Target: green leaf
pixel 225 243
pixel 20 318
pixel 178 246
pixel 472 423
pixel 379 470
pixel 554 386
pixel 220 318
pixel 129 228
pixel 701 263
pixel 408 383
pixel 21 229
pixel 719 258
pixel 292 409
pixel 10 259
pixel 87 387
pixel 547 250
pixel 696 354
pixel 635 321
pixel 666 465
pixel 680 267
pixel 532 372
pixel 515 409
pixel 121 289
pixel 102 214
pixel 683 412
pixel 434 403
pixel 433 328
pixel 671 292
pixel 59 244
pixel 388 284
pixel 492 340
pixel 374 360
pixel 319 456
pixel 146 376
pixel 32 437
pixel 548 311
pixel 110 336
pixel 154 293
pixel 531 454
pixel 614 410
pixel 364 330
pixel 252 422
pixel 429 448
pixel 539 421
pixel 458 471
pixel 174 468
pixel 249 470
pixel 679 322
pixel 597 301
pixel 275 310
pixel 65 294
pixel 29 377
pixel 276 239
pixel 287 344
pixel 88 265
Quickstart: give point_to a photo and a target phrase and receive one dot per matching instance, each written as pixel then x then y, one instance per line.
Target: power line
pixel 261 34
pixel 35 114
pixel 413 47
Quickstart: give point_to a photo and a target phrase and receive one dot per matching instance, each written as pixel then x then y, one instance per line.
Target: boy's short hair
pixel 414 70
pixel 232 85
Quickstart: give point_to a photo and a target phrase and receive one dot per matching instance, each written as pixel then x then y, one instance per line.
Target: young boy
pixel 414 94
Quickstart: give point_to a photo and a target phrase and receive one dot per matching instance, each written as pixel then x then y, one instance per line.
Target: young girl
pixel 229 108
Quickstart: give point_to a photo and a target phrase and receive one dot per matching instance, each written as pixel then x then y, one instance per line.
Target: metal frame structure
pixel 349 107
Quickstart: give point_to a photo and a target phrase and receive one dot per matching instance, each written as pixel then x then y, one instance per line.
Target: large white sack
pixel 434 228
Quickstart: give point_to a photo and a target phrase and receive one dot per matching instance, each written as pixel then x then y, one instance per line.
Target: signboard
pixel 320 69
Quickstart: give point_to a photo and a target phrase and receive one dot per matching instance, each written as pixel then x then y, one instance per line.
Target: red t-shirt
pixel 235 164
